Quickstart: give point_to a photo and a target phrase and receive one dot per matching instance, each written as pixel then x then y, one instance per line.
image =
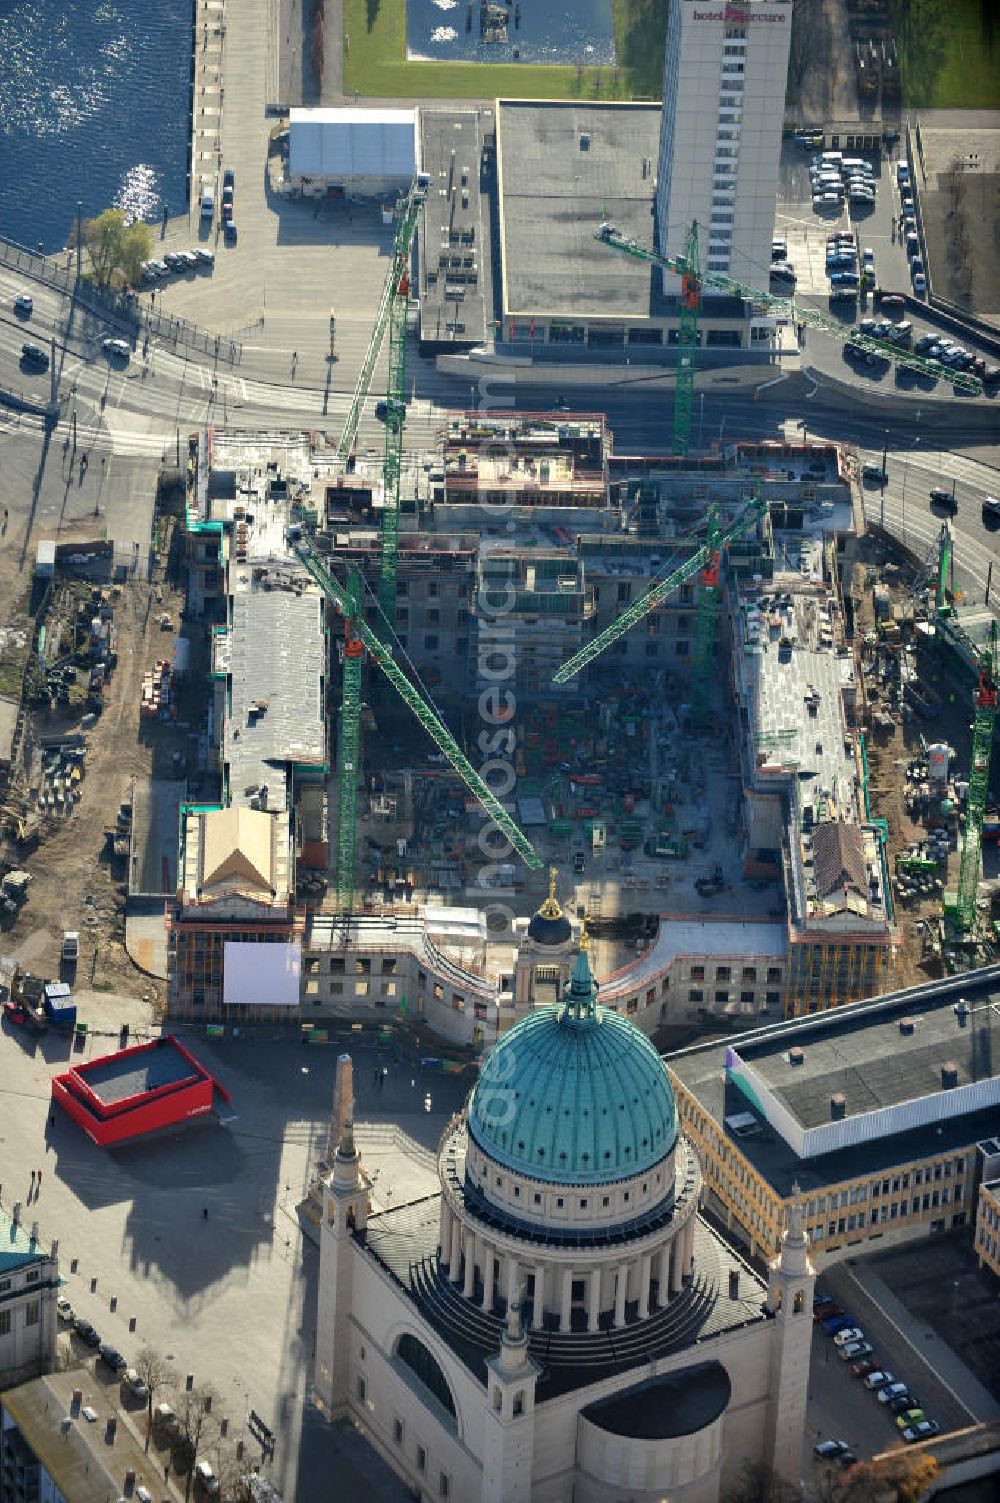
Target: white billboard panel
pixel 261 975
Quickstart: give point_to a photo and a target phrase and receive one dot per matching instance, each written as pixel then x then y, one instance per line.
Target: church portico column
pixel 446 1220
pixel 470 1265
pixel 489 1260
pixel 566 1300
pixel 538 1303
pixel 512 1275
pixel 676 1263
pixel 689 1244
pixel 594 1300
pixel 455 1260
pixel 663 1274
pixel 643 1286
pixel 621 1292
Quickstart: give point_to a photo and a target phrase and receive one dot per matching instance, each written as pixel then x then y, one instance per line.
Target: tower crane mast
pixel 979 782
pixel 392 315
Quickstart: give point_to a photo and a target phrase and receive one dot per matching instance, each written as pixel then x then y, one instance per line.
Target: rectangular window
pixel 697 973
pixel 397 1431
pixel 444 1486
pixel 722 973
pixel 4 1322
pixel 32 1312
pixel 421 1458
pixel 362 1388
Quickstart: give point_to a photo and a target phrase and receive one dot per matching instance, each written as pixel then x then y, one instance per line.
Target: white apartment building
pixel 720 140
pixel 29 1285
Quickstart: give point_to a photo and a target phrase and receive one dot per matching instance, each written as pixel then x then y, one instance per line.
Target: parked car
pixel 229 232
pixel 904 1402
pixel 826 1310
pixel 204 255
pixel 991 375
pixel 837 1323
pixel 879 1379
pixel 829 1450
pixel 174 261
pixel 112 1357
pixel 847 1335
pixel 23 305
pixel 855 1349
pixel 14 1013
pixel 910 1418
pixel 205 1478
pixel 64 1309
pixel 228 179
pixel 134 1385
pixel 864 1367
pixel 922 1431
pixel 87 1333
pixel 165 1420
pixel 890 299
pixel 783 271
pixel 919 283
pixel 891 1391
pixel 924 343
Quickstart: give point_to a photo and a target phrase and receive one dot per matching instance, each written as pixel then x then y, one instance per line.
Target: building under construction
pixel 695 783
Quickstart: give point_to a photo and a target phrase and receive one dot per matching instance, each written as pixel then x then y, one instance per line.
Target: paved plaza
pixel 229 1298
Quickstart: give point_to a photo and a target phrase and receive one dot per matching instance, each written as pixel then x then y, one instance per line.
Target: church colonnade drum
pixel 637 1275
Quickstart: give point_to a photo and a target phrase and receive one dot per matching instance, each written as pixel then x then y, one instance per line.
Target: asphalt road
pixel 116 412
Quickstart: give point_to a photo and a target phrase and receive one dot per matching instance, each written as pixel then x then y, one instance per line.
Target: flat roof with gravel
pixel 562 169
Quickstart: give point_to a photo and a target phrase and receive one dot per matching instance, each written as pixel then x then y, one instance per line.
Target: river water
pixel 94 101
pixel 533 31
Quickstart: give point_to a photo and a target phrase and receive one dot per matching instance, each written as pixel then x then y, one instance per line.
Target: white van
pixel 835 158
pixel 857 166
pixel 208 203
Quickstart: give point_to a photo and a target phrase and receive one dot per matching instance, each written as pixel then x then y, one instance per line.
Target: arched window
pixel 426 1368
pixel 799 1302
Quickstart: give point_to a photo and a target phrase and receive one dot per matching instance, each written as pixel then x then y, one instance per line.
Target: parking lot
pixel 806 230
pixel 904 1344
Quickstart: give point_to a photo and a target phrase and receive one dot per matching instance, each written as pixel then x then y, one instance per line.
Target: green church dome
pixel 574 1094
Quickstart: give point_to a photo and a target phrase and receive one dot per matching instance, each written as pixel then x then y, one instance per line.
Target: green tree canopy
pixel 116 249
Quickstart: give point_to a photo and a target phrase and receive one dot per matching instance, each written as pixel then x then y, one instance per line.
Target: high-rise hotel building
pixel 723 107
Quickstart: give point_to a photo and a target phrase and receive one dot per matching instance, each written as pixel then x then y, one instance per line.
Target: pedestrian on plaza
pixel 39 1174
pixel 32 1183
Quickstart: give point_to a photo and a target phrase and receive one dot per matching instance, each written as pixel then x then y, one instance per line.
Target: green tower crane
pixel 693 279
pixel 358 638
pixel 945 572
pixel 963 907
pixel 687 342
pixel 707 617
pixel 393 314
pixel 662 588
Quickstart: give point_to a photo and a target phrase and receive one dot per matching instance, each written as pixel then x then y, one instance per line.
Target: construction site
pixel 429 713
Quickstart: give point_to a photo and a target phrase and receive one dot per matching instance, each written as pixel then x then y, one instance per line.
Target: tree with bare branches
pixel 198 1426
pixel 157 1374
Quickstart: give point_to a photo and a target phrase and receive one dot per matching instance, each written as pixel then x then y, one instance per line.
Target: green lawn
pixel 375 61
pixel 949 53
